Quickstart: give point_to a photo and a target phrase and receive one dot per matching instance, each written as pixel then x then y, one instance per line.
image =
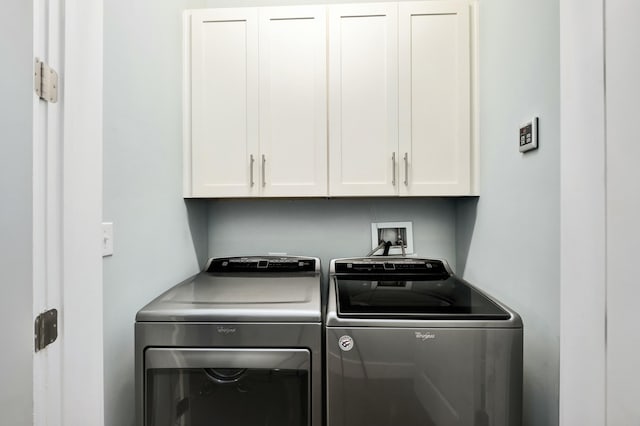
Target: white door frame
pixel 583 214
pixel 47 211
pixel 83 379
pixel 68 375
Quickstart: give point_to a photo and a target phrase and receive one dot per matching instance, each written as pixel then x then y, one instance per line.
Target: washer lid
pixel 419 297
pixel 243 293
pixel 408 288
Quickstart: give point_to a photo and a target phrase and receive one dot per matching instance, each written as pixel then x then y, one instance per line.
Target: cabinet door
pixel 293 101
pixel 435 116
pixel 224 102
pixel 363 99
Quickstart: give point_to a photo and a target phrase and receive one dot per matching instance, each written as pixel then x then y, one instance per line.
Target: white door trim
pixel 83 380
pixel 582 215
pixel 67 214
pixel 47 211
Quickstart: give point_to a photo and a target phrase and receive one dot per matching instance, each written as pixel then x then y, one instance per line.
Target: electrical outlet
pixel 107 239
pixel 398 233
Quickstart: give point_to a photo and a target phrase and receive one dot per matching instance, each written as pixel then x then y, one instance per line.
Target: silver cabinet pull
pixel 252 160
pixel 406 169
pixel 264 160
pixel 393 173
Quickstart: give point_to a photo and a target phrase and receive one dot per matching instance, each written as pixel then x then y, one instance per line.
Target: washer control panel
pixel 390 266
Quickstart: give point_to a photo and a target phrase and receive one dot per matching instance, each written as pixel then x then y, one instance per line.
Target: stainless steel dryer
pixel 239 344
pixel 409 343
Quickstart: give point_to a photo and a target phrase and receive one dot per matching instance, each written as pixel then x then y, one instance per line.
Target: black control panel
pixel 262 264
pixel 392 266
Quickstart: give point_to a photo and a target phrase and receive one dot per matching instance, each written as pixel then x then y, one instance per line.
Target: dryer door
pixel 231 387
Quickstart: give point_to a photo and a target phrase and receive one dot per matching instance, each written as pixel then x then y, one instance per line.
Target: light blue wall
pixel 508 240
pixel 16 289
pixel 158 237
pixel 327 228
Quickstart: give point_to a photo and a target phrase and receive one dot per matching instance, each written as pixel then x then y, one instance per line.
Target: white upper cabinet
pixel 435 98
pixel 368 99
pixel 293 101
pixel 400 99
pixel 256 109
pixel 223 103
pixel 363 93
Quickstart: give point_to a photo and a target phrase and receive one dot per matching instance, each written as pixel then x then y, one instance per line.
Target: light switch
pixel 528 138
pixel 107 239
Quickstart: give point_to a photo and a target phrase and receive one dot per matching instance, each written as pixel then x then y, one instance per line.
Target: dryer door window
pixel 230 387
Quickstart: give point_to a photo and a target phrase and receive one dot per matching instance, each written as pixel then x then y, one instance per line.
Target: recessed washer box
pixel 393 232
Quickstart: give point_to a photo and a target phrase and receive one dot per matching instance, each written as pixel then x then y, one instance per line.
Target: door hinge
pixel 46 329
pixel 45 82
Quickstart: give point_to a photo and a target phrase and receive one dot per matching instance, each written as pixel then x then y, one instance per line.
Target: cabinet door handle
pixel 252 160
pixel 264 160
pixel 406 169
pixel 393 172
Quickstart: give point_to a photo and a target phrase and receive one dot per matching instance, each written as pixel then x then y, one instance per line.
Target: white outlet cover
pixel 107 239
pixel 375 227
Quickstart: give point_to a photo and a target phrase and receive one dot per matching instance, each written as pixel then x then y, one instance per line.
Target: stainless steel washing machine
pixel 409 343
pixel 239 344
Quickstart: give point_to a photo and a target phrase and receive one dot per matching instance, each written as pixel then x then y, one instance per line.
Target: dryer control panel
pixel 262 264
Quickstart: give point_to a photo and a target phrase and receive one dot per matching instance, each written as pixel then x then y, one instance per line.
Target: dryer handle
pixel 219 358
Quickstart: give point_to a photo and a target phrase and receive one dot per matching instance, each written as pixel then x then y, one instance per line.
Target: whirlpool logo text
pixel 424 335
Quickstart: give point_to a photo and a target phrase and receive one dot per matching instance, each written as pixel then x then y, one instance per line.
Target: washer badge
pixel 345 343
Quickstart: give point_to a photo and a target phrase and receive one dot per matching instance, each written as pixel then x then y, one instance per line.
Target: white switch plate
pixel 389 231
pixel 107 239
pixel 528 135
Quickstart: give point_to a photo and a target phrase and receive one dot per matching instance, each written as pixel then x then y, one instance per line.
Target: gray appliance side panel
pixel 231 335
pixel 425 377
